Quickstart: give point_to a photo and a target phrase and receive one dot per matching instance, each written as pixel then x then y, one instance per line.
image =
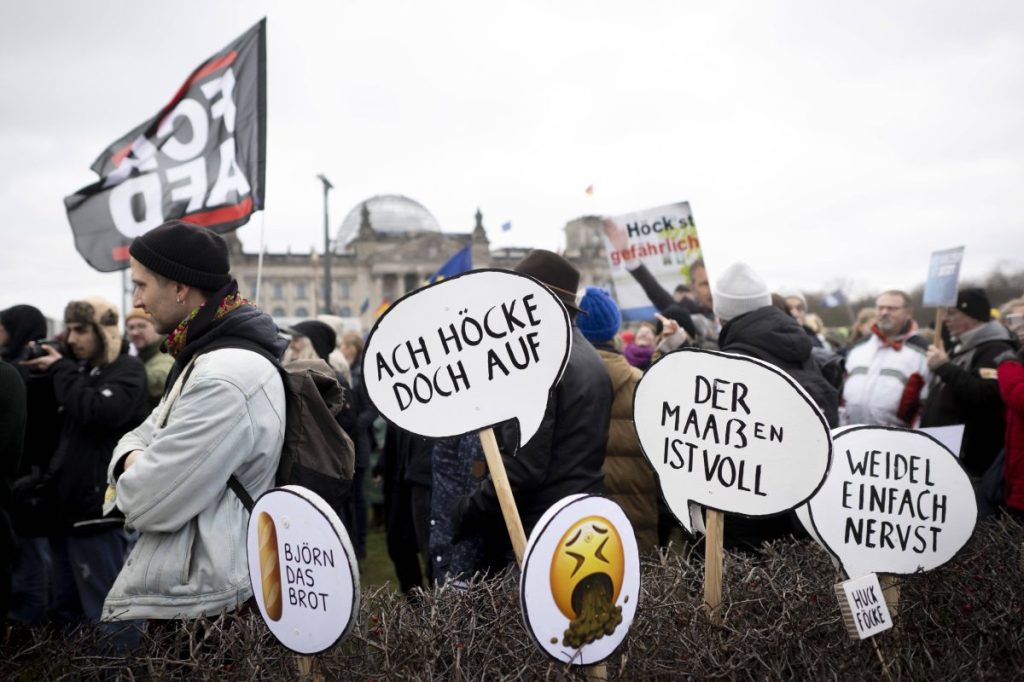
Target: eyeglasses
pixel 1015 321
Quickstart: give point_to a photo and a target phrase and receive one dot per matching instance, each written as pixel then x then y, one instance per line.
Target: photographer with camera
pixel 22 327
pixel 102 395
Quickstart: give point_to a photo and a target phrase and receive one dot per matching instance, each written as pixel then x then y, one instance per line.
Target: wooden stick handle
pixel 504 491
pixel 713 562
pixel 890 585
pixel 940 315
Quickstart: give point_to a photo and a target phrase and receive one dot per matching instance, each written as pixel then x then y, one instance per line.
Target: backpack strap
pixel 228 342
pixel 241 493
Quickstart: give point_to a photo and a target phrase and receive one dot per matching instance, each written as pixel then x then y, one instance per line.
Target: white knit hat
pixel 739 290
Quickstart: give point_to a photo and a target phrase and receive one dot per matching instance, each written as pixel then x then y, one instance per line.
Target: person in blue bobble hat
pixel 628 477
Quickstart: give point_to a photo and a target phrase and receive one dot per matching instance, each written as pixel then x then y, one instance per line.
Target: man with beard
pixel 887 372
pixel 222 415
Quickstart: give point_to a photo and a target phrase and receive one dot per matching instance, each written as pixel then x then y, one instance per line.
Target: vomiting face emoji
pixel 586 577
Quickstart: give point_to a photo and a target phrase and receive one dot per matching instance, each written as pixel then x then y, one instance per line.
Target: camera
pixel 35 350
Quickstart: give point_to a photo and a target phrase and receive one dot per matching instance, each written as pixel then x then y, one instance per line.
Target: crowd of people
pixel 118 443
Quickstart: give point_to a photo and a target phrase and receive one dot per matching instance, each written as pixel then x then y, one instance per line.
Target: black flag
pixel 200 159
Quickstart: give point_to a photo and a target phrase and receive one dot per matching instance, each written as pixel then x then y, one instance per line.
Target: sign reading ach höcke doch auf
pixel 302 568
pixel 200 159
pixel 731 433
pixel 467 353
pixel 895 501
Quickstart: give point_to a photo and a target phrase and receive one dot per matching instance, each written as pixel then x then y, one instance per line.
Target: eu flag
pixel 461 261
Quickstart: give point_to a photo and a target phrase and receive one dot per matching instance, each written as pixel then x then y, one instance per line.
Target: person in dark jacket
pixel 964 388
pixel 363 435
pixel 20 327
pixel 12 436
pixel 567 453
pixel 752 326
pixel 103 396
pixel 407 480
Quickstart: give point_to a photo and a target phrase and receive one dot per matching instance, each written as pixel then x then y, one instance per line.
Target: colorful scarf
pixel 178 338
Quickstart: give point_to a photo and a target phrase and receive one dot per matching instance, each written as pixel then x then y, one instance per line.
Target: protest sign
pixel 581 580
pixel 863 606
pixel 731 433
pixel 895 501
pixel 943 277
pixel 302 568
pixel 465 354
pixel 201 158
pixel 664 240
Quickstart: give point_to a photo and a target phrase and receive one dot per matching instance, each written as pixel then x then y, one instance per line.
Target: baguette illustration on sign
pixel 581 579
pixel 303 569
pixel 895 501
pixel 467 353
pixel 731 433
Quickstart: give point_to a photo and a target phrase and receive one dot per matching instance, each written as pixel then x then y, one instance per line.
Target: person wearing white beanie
pixel 739 290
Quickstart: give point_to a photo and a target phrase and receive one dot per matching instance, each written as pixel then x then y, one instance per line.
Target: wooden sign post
pixel 732 434
pixel 466 353
pixel 713 560
pixel 509 511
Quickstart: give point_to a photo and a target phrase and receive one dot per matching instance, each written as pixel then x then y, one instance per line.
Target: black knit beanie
pixel 320 335
pixel 973 302
pixel 185 253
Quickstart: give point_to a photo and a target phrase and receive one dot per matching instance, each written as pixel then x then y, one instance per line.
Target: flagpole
pixel 259 261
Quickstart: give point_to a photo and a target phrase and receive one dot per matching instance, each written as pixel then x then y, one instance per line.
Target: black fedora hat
pixel 554 272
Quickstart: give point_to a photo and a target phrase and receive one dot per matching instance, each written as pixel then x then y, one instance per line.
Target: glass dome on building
pixel 389 213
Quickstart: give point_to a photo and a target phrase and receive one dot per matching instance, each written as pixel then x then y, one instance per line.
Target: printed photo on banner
pixel 663 240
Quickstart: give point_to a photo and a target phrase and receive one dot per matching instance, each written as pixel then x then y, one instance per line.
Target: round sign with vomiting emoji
pixel 581 579
pixel 303 569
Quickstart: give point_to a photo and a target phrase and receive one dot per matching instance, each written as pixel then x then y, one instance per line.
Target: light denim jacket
pixel 190 559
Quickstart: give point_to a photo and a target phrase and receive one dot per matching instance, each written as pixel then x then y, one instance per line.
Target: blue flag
pixel 836 298
pixel 506 226
pixel 461 261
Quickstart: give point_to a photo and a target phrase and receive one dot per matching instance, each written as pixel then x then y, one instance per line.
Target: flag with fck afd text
pixel 201 159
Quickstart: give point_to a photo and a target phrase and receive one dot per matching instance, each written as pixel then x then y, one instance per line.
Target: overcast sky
pixel 817 141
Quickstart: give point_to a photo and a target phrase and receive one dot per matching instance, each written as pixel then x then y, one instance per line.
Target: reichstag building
pixel 386 246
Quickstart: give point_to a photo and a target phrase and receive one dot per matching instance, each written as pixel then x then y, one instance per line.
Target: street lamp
pixel 327 246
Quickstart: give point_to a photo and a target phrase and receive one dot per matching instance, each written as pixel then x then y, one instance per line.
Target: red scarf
pixel 895 342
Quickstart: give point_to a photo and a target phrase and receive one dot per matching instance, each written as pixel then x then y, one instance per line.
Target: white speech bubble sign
pixel 302 568
pixel 467 353
pixel 582 550
pixel 895 501
pixel 731 433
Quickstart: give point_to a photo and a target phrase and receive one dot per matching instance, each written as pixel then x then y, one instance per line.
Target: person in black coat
pixel 964 388
pixel 102 393
pixel 20 327
pixel 566 455
pixel 12 432
pixel 752 326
